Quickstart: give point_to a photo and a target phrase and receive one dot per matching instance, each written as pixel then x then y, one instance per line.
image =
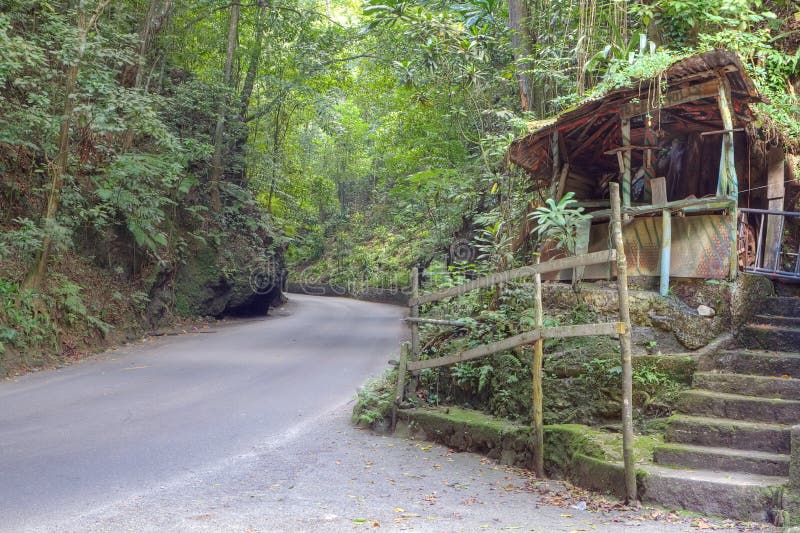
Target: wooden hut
pixel 702 180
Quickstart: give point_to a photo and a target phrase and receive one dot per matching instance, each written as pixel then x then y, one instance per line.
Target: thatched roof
pixel 689 103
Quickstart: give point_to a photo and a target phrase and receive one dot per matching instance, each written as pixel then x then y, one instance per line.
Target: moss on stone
pixel 193 281
pixel 679 368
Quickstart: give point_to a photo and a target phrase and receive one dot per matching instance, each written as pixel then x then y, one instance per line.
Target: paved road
pixel 83 436
pixel 247 429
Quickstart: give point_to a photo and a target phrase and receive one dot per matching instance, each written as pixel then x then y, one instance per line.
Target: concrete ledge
pixel 571 450
pixel 576 453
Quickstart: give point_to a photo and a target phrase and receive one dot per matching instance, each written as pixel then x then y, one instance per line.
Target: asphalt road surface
pixel 246 428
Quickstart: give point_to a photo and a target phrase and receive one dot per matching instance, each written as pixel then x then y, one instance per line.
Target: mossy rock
pixel 200 286
pixel 203 287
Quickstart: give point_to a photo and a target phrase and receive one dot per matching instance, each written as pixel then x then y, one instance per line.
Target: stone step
pixel 776 320
pixel 725 459
pixel 736 495
pixel 748 385
pixel 780 306
pixel 754 362
pixel 739 434
pixel 769 337
pixel 721 405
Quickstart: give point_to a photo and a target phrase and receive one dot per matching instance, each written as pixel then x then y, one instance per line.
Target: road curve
pixel 82 437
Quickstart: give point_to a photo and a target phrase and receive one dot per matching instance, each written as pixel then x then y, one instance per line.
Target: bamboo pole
pixel 666 250
pixel 625 346
pixel 536 378
pixel 693 205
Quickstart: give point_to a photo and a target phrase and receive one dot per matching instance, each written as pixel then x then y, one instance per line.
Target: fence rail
pixel 772 258
pixel 555 265
pixel 410 363
pixel 529 337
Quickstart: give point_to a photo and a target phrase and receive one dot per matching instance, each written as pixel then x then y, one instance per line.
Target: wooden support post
pixel 536 377
pixel 414 313
pixel 556 164
pixel 775 194
pixel 666 250
pixel 625 346
pixel 626 164
pixel 582 235
pixel 401 382
pixel 562 182
pixel 728 183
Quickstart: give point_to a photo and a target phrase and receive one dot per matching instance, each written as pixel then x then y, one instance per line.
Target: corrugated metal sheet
pixel 700 248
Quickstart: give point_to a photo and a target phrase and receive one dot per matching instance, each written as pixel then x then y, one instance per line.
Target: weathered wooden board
pixel 658 188
pixel 601 256
pixel 700 248
pixel 529 337
pixel 775 193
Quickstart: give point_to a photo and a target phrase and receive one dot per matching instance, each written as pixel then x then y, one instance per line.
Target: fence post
pixel 414 313
pixel 401 383
pixel 536 377
pixel 625 346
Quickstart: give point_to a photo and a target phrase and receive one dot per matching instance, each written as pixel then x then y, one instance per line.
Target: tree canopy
pixel 153 140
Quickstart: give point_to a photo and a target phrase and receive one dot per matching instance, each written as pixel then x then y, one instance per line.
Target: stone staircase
pixel 727 451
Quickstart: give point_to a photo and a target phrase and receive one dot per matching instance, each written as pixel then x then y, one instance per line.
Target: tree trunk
pixel 255 59
pixel 219 130
pixel 239 175
pixel 157 15
pixel 520 42
pixel 59 167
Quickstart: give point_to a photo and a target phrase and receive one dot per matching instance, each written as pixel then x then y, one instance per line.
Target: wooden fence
pixel 410 362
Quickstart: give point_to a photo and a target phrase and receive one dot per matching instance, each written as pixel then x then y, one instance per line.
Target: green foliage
pixel 470 377
pixel 559 221
pixel 375 399
pixel 24 317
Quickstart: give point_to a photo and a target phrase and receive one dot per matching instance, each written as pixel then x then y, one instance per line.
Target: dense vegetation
pixel 155 153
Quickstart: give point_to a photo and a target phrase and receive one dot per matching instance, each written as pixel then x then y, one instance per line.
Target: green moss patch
pixel 588 457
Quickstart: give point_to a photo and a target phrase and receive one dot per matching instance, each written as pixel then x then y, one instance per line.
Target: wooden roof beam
pixel 708 89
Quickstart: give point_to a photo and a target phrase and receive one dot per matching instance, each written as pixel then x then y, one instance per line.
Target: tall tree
pixel 156 17
pixel 520 41
pixel 219 130
pixel 59 167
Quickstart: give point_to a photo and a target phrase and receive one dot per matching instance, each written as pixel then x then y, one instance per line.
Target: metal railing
pixel 776 255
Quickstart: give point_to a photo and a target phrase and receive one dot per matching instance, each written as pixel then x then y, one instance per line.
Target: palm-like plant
pixel 559 221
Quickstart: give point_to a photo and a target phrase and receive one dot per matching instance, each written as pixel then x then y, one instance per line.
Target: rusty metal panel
pixel 700 248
